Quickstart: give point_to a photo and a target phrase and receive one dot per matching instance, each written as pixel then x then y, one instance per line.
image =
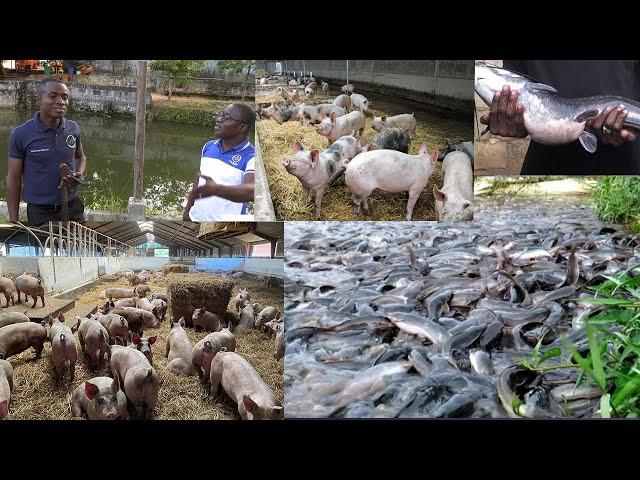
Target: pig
pixel 343 101
pixel 263 82
pixel 134 279
pixel 107 307
pixel 160 296
pixel 161 308
pixel 293 83
pixel 101 399
pixel 466 147
pixel 290 95
pixel 333 127
pixel 389 171
pixel 6 388
pixel 203 320
pixel 360 102
pixel 312 84
pixel 208 347
pixel 178 350
pixel 12 317
pixel 140 290
pixel 94 341
pixel 243 385
pixel 316 171
pixel 324 86
pixel 145 304
pixel 456 196
pixel 272 326
pixel 124 302
pixel 280 114
pixel 314 113
pixel 309 91
pixel 18 337
pixel 279 345
pixel 405 121
pixel 6 288
pixel 138 318
pixel 391 139
pixel 240 299
pixel 30 286
pixel 137 378
pixel 348 89
pixel 247 317
pixel 144 345
pixel 116 326
pixel 267 314
pixel 63 346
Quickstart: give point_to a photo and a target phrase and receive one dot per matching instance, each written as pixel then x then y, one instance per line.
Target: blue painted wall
pixel 217 263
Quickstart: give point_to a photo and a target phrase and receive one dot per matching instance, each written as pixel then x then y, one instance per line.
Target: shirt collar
pixel 238 147
pixel 43 128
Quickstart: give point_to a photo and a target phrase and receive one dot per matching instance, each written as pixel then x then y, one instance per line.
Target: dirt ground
pixel 180 398
pixel 276 141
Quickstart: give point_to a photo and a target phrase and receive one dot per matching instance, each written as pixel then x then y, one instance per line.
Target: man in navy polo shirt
pixel 37 148
pixel 226 180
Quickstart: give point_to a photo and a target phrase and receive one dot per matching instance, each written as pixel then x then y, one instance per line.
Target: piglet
pixel 206 349
pixel 138 378
pixel 247 318
pixel 203 320
pixel 348 88
pixel 178 350
pixel 360 102
pixel 161 307
pixel 456 196
pixel 116 326
pixel 94 341
pixel 160 296
pixel 12 317
pixel 389 171
pixel 138 318
pixel 391 139
pixel 405 121
pixel 18 337
pixel 145 304
pixel 6 288
pixel 6 388
pixel 100 399
pixel 243 385
pixel 240 299
pixel 265 315
pixel 343 101
pixel 144 345
pixel 63 346
pixel 30 286
pixel 334 128
pixel 324 86
pixel 280 114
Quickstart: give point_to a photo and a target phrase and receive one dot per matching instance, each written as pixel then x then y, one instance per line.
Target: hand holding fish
pixel 607 126
pixel 506 115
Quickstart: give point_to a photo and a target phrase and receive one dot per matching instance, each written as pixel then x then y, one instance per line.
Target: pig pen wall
pixel 273 267
pixel 442 82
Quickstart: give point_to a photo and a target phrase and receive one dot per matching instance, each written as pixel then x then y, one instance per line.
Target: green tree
pixel 237 67
pixel 178 71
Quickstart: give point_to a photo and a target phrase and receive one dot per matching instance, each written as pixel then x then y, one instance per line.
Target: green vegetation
pixel 198 114
pixel 178 70
pixel 611 358
pixel 617 199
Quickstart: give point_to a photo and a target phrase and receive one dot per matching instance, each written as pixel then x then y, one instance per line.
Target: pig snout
pixel 285 162
pixel 111 415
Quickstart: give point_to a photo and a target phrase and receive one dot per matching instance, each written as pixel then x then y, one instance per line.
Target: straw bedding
pixel 191 291
pixel 35 397
pixel 175 268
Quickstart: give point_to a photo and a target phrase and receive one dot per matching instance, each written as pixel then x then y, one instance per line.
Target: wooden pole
pixel 138 164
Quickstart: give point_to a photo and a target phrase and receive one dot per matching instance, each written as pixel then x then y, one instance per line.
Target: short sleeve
pixel 16 148
pixel 78 141
pixel 251 165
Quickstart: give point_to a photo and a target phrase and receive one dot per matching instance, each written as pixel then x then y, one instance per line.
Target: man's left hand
pixel 611 119
pixel 70 179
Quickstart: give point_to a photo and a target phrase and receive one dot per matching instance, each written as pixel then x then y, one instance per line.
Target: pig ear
pixel 434 157
pixel 315 155
pixel 466 203
pixel 384 118
pixel 4 409
pixel 135 339
pixel 90 390
pixel 61 317
pixel 153 339
pixel 181 322
pixel 249 404
pixel 322 116
pixel 333 117
pixel 437 194
pixel 297 146
pixel 423 149
pixel 115 385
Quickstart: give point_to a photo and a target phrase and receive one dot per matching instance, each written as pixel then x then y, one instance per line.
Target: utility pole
pixel 137 204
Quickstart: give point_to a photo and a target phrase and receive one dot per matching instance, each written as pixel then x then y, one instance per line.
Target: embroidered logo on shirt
pixel 71 141
pixel 236 159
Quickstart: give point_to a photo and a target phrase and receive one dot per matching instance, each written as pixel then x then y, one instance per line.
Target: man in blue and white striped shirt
pixel 226 179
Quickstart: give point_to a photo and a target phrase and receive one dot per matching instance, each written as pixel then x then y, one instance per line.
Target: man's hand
pixel 70 179
pixel 611 119
pixel 210 187
pixel 506 115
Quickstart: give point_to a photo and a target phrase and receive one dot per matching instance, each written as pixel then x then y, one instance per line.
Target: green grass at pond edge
pixel 617 199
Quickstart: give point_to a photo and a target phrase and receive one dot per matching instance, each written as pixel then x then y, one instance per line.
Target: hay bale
pixel 175 268
pixel 188 292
